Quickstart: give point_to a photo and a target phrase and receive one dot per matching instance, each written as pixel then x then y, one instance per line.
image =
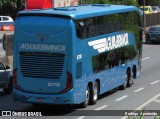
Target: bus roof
pixel 84 11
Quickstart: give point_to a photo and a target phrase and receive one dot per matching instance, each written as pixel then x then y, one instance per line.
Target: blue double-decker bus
pixel 71 55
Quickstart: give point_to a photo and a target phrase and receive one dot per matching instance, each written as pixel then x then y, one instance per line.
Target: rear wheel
pixel 128 82
pixel 86 102
pixel 94 93
pixel 122 87
pixel 129 79
pixel 134 71
pixel 147 39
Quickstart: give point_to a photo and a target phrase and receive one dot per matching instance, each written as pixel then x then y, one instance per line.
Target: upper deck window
pixel 100 25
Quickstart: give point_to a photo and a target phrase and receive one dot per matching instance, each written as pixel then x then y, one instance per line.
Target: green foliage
pixel 11 7
pixel 124 2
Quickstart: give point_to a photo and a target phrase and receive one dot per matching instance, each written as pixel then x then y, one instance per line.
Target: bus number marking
pixel 79 56
pixel 54 84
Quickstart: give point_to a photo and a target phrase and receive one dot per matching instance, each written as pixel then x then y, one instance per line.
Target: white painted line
pixel 2 53
pixel 155 82
pixel 121 98
pixel 156 100
pixel 81 117
pixel 145 58
pixel 139 89
pixel 100 108
pixel 149 101
pixel 143 105
pixel 125 117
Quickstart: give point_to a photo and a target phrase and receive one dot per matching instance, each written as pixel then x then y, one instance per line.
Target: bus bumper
pixel 66 98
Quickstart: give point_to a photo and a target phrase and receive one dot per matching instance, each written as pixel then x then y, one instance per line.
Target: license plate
pixel 40 99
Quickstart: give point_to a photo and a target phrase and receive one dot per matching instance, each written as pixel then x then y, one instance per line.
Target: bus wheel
pixel 129 80
pixel 94 93
pixel 134 72
pixel 122 87
pixel 86 102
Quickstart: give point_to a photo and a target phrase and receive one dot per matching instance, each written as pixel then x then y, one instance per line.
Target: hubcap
pixel 95 92
pixel 87 95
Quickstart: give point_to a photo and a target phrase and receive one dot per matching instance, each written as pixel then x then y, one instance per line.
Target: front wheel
pixel 9 89
pixel 94 93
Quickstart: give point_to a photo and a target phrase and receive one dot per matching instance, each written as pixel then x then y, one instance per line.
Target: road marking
pixel 139 89
pixel 149 101
pixel 154 82
pixel 156 100
pixel 143 105
pixel 121 98
pixel 81 117
pixel 145 58
pixel 100 108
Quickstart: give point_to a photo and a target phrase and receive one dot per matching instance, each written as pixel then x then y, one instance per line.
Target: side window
pixel 99 25
pixel 5 18
pixel 113 58
pixel 2 66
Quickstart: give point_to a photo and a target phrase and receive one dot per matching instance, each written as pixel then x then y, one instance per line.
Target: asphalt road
pixel 144 94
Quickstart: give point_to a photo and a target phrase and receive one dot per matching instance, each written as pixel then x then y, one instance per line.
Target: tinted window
pixel 100 25
pixel 113 58
pixel 5 18
pixel 95 26
pixel 154 29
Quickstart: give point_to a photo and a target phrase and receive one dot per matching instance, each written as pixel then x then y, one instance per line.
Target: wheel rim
pixel 95 92
pixel 87 96
pixel 125 84
pixel 130 81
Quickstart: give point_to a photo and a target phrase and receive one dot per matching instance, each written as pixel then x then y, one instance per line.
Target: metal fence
pixel 152 19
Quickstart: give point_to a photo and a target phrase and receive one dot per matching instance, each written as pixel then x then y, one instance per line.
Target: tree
pixel 11 7
pixel 124 2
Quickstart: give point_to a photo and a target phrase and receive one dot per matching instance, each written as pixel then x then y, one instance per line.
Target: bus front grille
pixel 41 65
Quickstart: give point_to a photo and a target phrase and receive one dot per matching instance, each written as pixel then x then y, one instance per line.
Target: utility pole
pixel 143 14
pixel 144 20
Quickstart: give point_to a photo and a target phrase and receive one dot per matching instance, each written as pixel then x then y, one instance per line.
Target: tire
pixel 9 89
pixel 94 93
pixel 134 71
pixel 129 79
pixel 122 87
pixel 128 82
pixel 4 42
pixel 148 39
pixel 86 102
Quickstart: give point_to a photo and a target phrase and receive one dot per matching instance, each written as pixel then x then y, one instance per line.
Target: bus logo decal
pixel 42 47
pixel 110 43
